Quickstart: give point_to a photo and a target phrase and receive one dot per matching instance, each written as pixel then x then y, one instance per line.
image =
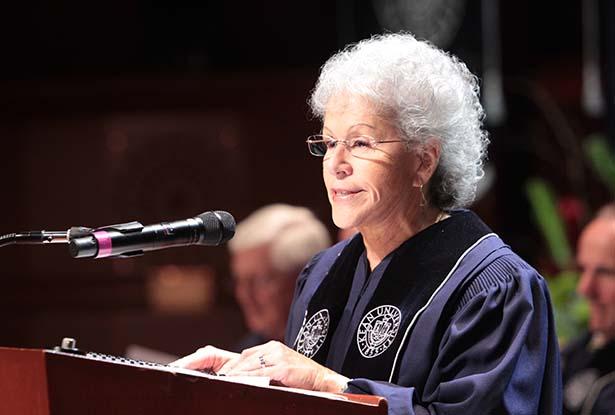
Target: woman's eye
pixel 330 143
pixel 359 142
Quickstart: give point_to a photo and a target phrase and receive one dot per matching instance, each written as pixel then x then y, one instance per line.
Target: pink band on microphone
pixel 104 243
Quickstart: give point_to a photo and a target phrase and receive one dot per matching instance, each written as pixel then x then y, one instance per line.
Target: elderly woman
pixel 425 305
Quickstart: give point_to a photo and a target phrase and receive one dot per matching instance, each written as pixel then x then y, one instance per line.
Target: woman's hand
pixel 205 358
pixel 283 366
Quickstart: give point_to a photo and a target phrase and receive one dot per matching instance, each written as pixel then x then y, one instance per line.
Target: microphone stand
pixel 43 237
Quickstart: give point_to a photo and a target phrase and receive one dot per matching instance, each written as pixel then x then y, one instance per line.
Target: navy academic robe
pixel 481 342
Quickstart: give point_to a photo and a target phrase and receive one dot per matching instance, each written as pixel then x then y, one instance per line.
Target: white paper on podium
pixel 144 365
pixel 327 395
pixel 259 381
pixel 247 380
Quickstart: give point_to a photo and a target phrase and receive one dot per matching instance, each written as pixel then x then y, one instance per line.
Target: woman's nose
pixel 337 161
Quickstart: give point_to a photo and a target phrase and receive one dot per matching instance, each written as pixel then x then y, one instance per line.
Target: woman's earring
pixel 423 200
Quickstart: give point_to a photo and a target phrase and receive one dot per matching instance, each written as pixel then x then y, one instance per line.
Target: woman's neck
pixel 383 239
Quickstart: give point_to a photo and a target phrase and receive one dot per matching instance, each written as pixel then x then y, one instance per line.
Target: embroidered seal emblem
pixel 377 330
pixel 313 333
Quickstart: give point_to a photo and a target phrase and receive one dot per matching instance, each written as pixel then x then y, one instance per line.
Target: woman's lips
pixel 344 194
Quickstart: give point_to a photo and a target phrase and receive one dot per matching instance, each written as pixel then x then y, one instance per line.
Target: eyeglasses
pixel 359 146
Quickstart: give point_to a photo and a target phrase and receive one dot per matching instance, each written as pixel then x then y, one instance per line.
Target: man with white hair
pixel 268 251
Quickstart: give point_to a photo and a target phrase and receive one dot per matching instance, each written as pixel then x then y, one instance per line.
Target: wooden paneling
pixel 150 150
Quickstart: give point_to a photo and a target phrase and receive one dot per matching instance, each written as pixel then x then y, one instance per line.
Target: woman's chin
pixel 343 220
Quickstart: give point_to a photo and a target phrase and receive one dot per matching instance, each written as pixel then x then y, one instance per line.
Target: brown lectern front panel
pixel 23 382
pixel 104 388
pixel 47 383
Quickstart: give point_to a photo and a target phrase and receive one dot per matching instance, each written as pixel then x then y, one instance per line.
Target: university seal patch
pixel 377 330
pixel 313 333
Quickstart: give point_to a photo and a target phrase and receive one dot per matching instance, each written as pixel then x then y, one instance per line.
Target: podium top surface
pixel 48 382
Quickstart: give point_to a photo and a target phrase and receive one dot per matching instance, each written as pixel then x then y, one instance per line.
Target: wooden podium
pixel 45 382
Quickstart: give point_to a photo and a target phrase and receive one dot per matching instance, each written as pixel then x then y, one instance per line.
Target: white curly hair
pixel 427 93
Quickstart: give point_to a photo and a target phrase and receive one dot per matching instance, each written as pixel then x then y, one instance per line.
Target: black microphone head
pixel 219 227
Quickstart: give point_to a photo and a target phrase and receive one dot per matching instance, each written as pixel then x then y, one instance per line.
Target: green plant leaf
pixel 601 158
pixel 549 221
pixel 570 310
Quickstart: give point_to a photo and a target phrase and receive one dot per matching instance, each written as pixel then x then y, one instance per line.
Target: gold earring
pixel 423 200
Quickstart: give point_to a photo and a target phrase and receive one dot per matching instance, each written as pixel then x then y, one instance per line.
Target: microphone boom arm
pixel 43 237
pixel 34 238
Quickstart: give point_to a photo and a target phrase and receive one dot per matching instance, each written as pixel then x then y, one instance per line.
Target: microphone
pixel 131 239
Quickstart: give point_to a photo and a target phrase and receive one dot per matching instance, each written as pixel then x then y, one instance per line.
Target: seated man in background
pixel 268 251
pixel 588 363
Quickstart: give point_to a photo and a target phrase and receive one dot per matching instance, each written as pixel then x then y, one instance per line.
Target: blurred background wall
pixel 127 110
